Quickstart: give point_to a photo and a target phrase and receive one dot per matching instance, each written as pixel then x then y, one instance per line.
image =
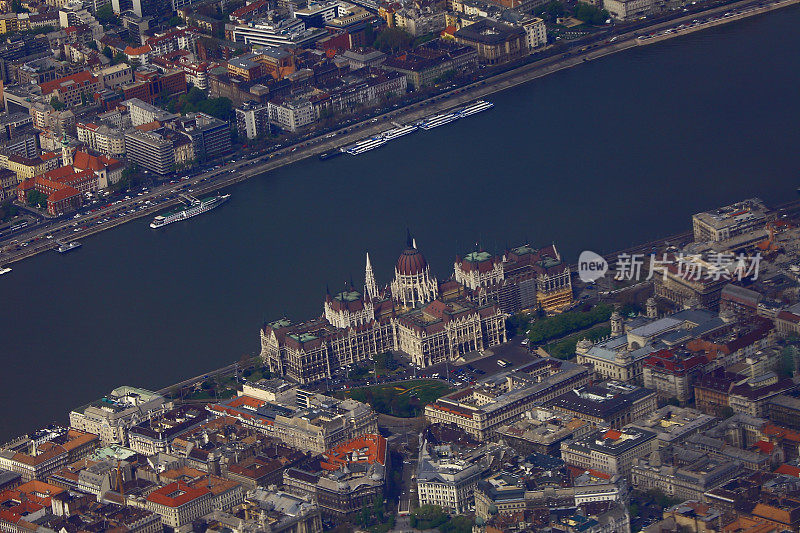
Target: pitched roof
pixel 63 194
pixel 131 51
pixel 176 494
pixel 77 78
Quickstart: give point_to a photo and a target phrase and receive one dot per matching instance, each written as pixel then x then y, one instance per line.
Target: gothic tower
pixel 370 287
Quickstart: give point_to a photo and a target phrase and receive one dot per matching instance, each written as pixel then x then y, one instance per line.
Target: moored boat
pixel 195 207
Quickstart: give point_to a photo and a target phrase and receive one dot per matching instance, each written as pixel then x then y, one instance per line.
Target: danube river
pixel 613 152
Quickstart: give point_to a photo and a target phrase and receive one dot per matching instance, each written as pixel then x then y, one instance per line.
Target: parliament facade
pixel 429 321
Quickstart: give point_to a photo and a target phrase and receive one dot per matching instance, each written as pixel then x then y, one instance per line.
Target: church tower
pixel 652 308
pixel 370 287
pixel 66 152
pixel 617 327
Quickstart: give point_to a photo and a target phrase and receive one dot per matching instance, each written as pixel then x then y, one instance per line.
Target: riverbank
pixel 205 183
pixel 556 161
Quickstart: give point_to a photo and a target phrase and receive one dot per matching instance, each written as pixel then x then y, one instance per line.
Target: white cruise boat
pixel 477 107
pixel 398 132
pixel 364 146
pixel 4 270
pixel 437 120
pixel 194 208
pixel 67 246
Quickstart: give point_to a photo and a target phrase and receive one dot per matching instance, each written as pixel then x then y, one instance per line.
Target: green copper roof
pixel 348 296
pixel 522 250
pixel 477 257
pixel 548 262
pixel 303 337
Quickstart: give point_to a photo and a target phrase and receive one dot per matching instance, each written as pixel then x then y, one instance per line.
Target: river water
pixel 613 152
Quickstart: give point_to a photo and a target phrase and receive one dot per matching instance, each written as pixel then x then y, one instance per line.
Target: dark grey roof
pixel 489 32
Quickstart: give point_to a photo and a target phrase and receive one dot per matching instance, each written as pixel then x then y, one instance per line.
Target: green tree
pixel 590 14
pixel 554 327
pixel 175 21
pixel 92 45
pixel 41 30
pixel 222 108
pixel 459 524
pixel 393 40
pixel 119 57
pixel 16 7
pixel 108 53
pixel 57 104
pixel 105 16
pixel 428 517
pixel 37 199
pixel 554 9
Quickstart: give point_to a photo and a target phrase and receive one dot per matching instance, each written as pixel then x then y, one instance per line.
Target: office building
pixel 542 430
pixel 345 479
pixel 36 457
pixel 611 451
pixel 291 114
pixel 448 473
pixel 482 409
pixel 252 120
pixel 729 221
pixel 113 415
pixel 613 403
pixel 306 421
pixel 144 113
pixel 494 41
pixel 102 138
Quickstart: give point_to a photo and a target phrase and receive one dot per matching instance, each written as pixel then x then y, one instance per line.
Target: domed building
pixel 413 284
pixel 345 478
pixel 431 324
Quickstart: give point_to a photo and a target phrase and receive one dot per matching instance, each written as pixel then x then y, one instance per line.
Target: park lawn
pixel 404 398
pixel 565 348
pixel 425 390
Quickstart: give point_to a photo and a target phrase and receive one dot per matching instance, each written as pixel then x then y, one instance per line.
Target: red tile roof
pixel 63 194
pixel 368 448
pixel 84 77
pixel 131 51
pixel 789 470
pixel 764 446
pixel 176 494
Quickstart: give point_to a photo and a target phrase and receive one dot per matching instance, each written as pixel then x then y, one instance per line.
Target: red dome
pixel 411 261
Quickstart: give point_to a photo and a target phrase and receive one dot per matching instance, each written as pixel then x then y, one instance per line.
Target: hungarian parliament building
pixel 430 322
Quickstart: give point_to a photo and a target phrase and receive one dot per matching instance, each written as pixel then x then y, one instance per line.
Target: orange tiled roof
pixel 774 430
pixel 249 401
pixel 368 448
pixel 63 194
pixel 149 126
pixel 176 494
pixel 131 51
pixel 789 470
pixel 79 77
pixel 764 446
